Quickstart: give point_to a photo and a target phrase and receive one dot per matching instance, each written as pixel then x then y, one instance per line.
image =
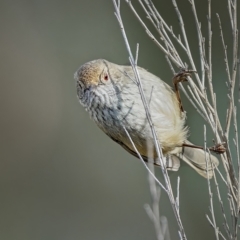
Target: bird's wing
pixel 171 162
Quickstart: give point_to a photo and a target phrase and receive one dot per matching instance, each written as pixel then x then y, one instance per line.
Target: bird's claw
pixel 218 148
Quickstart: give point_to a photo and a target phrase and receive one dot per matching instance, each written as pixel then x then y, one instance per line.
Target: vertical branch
pixel 228 165
pixel 232 5
pixel 236 142
pixel 201 42
pixel 178 194
pixel 225 223
pixel 209 68
pixel 207 154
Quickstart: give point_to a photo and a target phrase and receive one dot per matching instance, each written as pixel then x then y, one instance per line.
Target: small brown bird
pixel 111 96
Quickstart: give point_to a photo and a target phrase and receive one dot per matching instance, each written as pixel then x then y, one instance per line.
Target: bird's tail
pixel 196 158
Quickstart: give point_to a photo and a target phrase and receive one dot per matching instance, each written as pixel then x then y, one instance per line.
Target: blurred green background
pixel 60 176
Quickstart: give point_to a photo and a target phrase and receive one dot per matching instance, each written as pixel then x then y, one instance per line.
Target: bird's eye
pixel 105 77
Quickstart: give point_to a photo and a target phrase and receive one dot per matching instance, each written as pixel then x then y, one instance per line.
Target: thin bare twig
pixel 207 159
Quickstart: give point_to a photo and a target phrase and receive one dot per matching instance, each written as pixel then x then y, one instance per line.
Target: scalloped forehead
pixel 89 72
